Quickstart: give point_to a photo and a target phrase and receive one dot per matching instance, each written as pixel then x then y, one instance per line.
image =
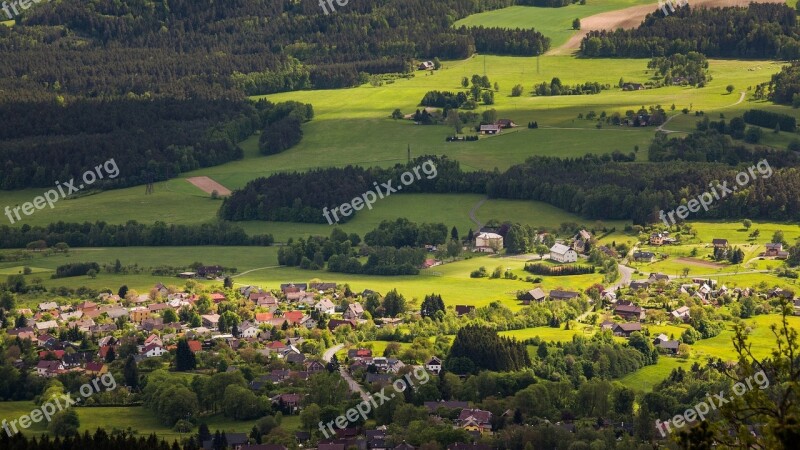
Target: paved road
pixel 351 383
pixel 331 351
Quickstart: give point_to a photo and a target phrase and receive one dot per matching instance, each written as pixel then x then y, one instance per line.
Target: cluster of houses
pixel 146 313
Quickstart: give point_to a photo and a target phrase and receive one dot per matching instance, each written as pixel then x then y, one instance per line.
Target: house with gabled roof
pixel 475 420
pixel 629 311
pixel 325 306
pixel 49 369
pixel 354 311
pixel 626 329
pixel 563 254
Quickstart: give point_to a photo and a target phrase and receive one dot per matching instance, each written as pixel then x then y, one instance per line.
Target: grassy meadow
pixel 555 23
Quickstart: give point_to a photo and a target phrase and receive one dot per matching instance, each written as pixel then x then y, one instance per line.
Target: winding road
pixel 351 383
pixel 664 130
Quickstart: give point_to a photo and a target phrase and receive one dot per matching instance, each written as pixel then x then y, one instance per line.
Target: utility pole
pixel 409 153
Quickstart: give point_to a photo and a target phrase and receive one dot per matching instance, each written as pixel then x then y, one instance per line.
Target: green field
pixel 555 23
pixel 139 418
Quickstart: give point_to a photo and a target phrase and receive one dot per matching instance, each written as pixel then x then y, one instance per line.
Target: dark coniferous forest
pixel 768 31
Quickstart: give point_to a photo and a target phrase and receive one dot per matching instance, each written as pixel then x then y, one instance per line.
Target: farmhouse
pixel 557 294
pixel 629 312
pixel 626 329
pixel 488 242
pixel 536 295
pixel 720 243
pixel 464 309
pixel 644 256
pixel 563 254
pixel 490 129
pixel 633 87
pixel 426 65
pixel 505 123
pixel 681 313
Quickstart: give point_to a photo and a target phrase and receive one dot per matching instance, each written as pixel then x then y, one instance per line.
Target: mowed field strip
pixel 208 185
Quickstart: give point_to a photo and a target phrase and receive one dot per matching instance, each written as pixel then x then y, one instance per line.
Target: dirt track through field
pixel 631 18
pixel 208 185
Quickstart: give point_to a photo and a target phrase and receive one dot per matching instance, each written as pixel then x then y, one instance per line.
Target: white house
pixel 325 306
pixel 488 242
pixel 563 254
pixel 434 365
pixel 248 331
pixel 48 306
pixel 153 350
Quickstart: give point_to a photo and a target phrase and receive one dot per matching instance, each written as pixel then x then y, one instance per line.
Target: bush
pixel 480 273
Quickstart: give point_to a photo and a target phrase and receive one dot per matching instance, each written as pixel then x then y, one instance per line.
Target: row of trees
pixel 130 234
pixel 550 270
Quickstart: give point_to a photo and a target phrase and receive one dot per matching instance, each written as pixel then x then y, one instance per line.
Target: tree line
pixel 129 234
pixel 768 31
pixel 300 196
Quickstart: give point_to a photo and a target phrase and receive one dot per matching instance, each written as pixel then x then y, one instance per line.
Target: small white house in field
pixel 488 242
pixel 563 254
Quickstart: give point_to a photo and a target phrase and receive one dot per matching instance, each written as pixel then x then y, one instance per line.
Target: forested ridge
pixel 760 30
pixel 185 48
pixel 150 139
pixel 592 186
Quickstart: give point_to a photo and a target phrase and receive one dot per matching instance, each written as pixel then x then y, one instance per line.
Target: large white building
pixel 563 254
pixel 488 242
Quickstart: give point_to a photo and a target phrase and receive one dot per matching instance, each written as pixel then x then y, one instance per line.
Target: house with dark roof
pixel 234 440
pixel 490 129
pixel 720 243
pixel 644 256
pixel 626 329
pixel 534 295
pixel 475 420
pixel 335 323
pixel 464 309
pixel 558 294
pixel 629 312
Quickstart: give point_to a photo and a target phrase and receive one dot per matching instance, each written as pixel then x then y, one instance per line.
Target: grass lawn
pixel 139 418
pixel 555 23
pixel 644 379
